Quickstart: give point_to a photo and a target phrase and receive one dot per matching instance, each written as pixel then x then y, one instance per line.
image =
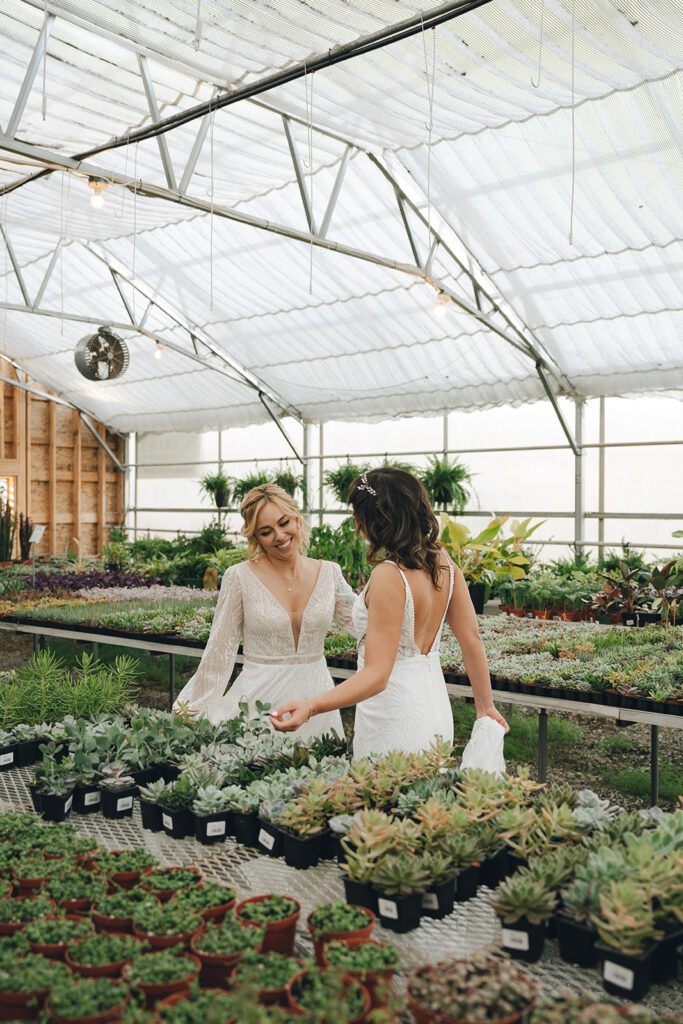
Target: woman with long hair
pixel 399 688
pixel 280 605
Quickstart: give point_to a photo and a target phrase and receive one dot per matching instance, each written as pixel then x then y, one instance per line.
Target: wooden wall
pixel 65 480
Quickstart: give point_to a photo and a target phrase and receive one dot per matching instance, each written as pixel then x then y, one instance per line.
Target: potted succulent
pixel 124 867
pixel 175 802
pixel 49 936
pixel 210 900
pixel 220 945
pixel 160 974
pixel 166 924
pixel 15 913
pixel 8 750
pixel 628 938
pixel 102 956
pixel 211 815
pixel 338 920
pixel 576 933
pixel 486 987
pixel 524 904
pixel 54 785
pixel 330 994
pixel 166 882
pixel 26 982
pixel 31 873
pixel 195 1007
pixel 27 751
pixel 114 913
pixel 149 804
pixel 244 819
pixel 400 881
pixel 118 791
pixel 372 963
pixel 77 891
pixel 279 914
pixel 270 973
pixel 89 1001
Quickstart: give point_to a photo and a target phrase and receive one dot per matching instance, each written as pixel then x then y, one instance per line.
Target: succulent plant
pixel 523 896
pixel 626 920
pixel 228 936
pixel 486 986
pixel 401 874
pixel 209 800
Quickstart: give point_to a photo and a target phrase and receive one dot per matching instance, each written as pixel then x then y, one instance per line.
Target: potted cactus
pixel 524 904
pixel 338 920
pixel 118 791
pixel 220 945
pixel 279 914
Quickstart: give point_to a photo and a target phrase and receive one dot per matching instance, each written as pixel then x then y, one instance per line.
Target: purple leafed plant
pixel 96 578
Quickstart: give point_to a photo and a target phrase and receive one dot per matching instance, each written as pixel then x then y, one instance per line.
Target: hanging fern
pixel 339 480
pixel 242 487
pixel 447 483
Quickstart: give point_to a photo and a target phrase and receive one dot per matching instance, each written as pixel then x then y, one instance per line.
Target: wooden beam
pixel 101 499
pixel 52 476
pixel 2 418
pixel 77 477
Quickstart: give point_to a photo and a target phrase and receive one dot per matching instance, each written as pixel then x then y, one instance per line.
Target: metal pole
pixel 445 434
pixel 654 765
pixel 95 650
pixel 579 483
pixel 542 745
pixel 321 485
pixel 134 440
pixel 220 464
pixel 601 481
pixel 308 483
pixel 171 679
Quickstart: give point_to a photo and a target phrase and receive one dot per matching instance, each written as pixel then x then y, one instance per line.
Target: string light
pixel 98 186
pixel 443 304
pixel 158 349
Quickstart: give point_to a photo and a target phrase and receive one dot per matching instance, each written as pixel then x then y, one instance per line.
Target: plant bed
pixel 219 946
pixel 102 956
pixel 210 900
pixel 576 942
pixel 399 913
pixel 330 994
pixel 87 1001
pixel 372 963
pixel 50 936
pixel 165 925
pixel 279 914
pixel 160 974
pixel 166 882
pixel 270 973
pixel 338 920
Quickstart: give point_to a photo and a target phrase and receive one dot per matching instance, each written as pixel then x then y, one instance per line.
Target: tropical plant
pixel 339 480
pixel 289 481
pixel 447 482
pixel 241 488
pixel 217 487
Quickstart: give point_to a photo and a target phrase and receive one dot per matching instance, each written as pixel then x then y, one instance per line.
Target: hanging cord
pixel 135 220
pixel 44 104
pixel 124 190
pixel 62 235
pixel 211 219
pixel 309 128
pixel 198 27
pixel 571 203
pixel 540 49
pixel 429 126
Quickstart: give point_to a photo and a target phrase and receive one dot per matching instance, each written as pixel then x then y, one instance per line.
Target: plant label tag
pixel 618 975
pixel 514 939
pixel 92 798
pixel 124 803
pixel 430 901
pixel 7 758
pixel 67 805
pixel 266 840
pixel 167 821
pixel 387 908
pixel 215 828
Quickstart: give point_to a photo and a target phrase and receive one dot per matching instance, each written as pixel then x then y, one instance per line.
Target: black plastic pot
pixel 177 824
pixel 478 596
pixel 27 753
pixel 664 963
pixel 87 799
pixel 151 816
pixel 576 942
pixel 144 776
pixel 118 803
pixel 301 851
pixel 466 883
pixel 328 846
pixel 270 838
pixel 439 899
pixel 55 808
pixel 493 869
pixel 515 862
pixel 625 975
pixel 36 797
pixel 400 913
pixel 8 757
pixel 169 772
pixel 246 827
pixel 524 941
pixel 360 894
pixel 211 828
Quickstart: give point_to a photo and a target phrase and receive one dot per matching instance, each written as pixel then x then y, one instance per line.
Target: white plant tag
pixel 514 939
pixel 92 798
pixel 265 839
pixel 167 821
pixel 124 803
pixel 67 805
pixel 215 828
pixel 430 901
pixel 387 908
pixel 7 758
pixel 618 975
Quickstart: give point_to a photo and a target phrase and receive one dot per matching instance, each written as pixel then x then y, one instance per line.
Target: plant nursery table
pixel 472 924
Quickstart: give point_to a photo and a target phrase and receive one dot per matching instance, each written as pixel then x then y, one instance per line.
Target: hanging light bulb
pixel 98 186
pixel 158 349
pixel 443 304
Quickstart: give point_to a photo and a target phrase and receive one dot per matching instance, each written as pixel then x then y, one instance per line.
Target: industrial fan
pixel 101 356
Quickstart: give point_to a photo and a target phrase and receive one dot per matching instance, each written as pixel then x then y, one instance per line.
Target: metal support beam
pixel 601 481
pixel 156 118
pixel 406 225
pixel 321 475
pixel 196 150
pixel 336 188
pixel 47 275
pixel 300 177
pixel 265 402
pixel 29 77
pixel 15 265
pixel 542 745
pixel 547 387
pixel 654 765
pixel 579 481
pixel 124 300
pixel 308 465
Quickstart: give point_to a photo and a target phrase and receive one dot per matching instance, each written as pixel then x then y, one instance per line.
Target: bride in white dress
pixel 399 688
pixel 280 605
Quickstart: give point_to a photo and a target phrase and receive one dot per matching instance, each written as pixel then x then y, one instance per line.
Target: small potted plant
pixel 486 986
pixel 279 914
pixel 372 963
pixel 576 933
pixel 114 913
pixel 124 867
pixel 166 882
pixel 524 904
pixel 628 938
pixel 160 974
pixel 54 786
pixel 244 806
pixel 210 900
pixel 338 920
pixel 166 924
pixel 8 750
pixel 220 945
pixel 175 802
pixel 77 891
pixel 26 982
pixel 49 936
pixel 103 956
pixel 211 815
pixel 400 881
pixel 330 994
pixel 217 487
pixel 118 791
pixel 270 973
pixel 87 1000
pixel 31 873
pixel 15 913
pixel 193 1005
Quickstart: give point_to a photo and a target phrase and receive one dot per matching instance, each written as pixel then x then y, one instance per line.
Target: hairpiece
pixel 365 486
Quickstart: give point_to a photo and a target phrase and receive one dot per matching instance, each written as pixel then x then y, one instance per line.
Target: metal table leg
pixel 542 745
pixel 654 765
pixel 95 650
pixel 171 679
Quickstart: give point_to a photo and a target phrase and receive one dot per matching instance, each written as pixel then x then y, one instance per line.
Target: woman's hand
pixel 492 712
pixel 299 712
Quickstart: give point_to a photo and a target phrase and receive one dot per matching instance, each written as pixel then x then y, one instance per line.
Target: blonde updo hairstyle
pixel 258 498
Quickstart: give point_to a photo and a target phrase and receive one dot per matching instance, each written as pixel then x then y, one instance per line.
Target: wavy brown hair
pixel 258 498
pixel 397 520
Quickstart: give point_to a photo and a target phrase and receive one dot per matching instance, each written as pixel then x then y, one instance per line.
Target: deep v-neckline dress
pixel 275 669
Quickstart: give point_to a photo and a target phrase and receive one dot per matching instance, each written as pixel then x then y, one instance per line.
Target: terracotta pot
pixel 164 941
pixel 352 938
pixel 10 927
pixel 123 879
pixel 112 970
pixel 268 996
pixel 378 983
pixel 279 937
pixel 217 967
pixel 53 950
pixel 83 906
pixel 298 1009
pixel 219 912
pixel 154 992
pixel 22 1005
pixel 423 1015
pixel 113 1014
pixel 164 895
pixel 112 924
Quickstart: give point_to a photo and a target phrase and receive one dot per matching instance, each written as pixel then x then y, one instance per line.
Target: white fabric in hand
pixel 485 748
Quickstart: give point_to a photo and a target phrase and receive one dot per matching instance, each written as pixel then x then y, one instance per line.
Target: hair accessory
pixel 365 486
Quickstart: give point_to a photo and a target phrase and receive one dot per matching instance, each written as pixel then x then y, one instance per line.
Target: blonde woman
pixel 279 604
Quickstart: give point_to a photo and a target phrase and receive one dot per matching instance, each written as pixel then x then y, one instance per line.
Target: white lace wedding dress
pixel 275 669
pixel 414 709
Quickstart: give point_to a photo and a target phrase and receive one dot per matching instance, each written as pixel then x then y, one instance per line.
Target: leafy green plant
pixel 78 885
pixel 204 897
pixel 86 997
pixel 171 878
pixel 265 970
pixel 113 861
pixel 270 908
pixel 626 920
pixel 13 911
pixel 368 956
pixel 523 896
pixel 177 795
pixel 337 917
pixel 328 994
pixel 160 968
pixel 125 903
pixel 209 800
pixel 241 488
pixel 289 481
pixel 447 482
pixel 56 930
pixel 105 949
pixel 31 973
pixel 217 487
pixel 171 918
pixel 210 1008
pixel 228 936
pixel 339 480
pixel 402 874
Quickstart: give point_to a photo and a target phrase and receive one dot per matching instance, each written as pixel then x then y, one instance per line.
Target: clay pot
pixel 279 937
pixel 352 938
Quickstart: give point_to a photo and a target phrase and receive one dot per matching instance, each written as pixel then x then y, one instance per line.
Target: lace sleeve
pixel 344 598
pixel 208 683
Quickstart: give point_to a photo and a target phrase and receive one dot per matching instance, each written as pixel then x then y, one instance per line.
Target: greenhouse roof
pixel 288 249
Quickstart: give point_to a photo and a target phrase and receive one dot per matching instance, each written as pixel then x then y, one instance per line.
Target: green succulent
pixel 105 949
pixel 523 896
pixel 270 908
pixel 265 970
pixel 160 968
pixel 32 973
pixel 166 919
pixel 57 930
pixel 337 917
pixel 228 936
pixel 205 897
pixel 368 956
pixel 86 997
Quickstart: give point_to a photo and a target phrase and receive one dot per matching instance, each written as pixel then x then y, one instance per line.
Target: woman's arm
pixel 386 601
pixel 461 618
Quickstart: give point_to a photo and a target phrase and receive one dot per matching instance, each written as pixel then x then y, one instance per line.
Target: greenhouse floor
pixel 472 924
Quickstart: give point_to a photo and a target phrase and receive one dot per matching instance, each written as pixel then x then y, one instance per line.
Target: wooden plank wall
pixel 65 479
